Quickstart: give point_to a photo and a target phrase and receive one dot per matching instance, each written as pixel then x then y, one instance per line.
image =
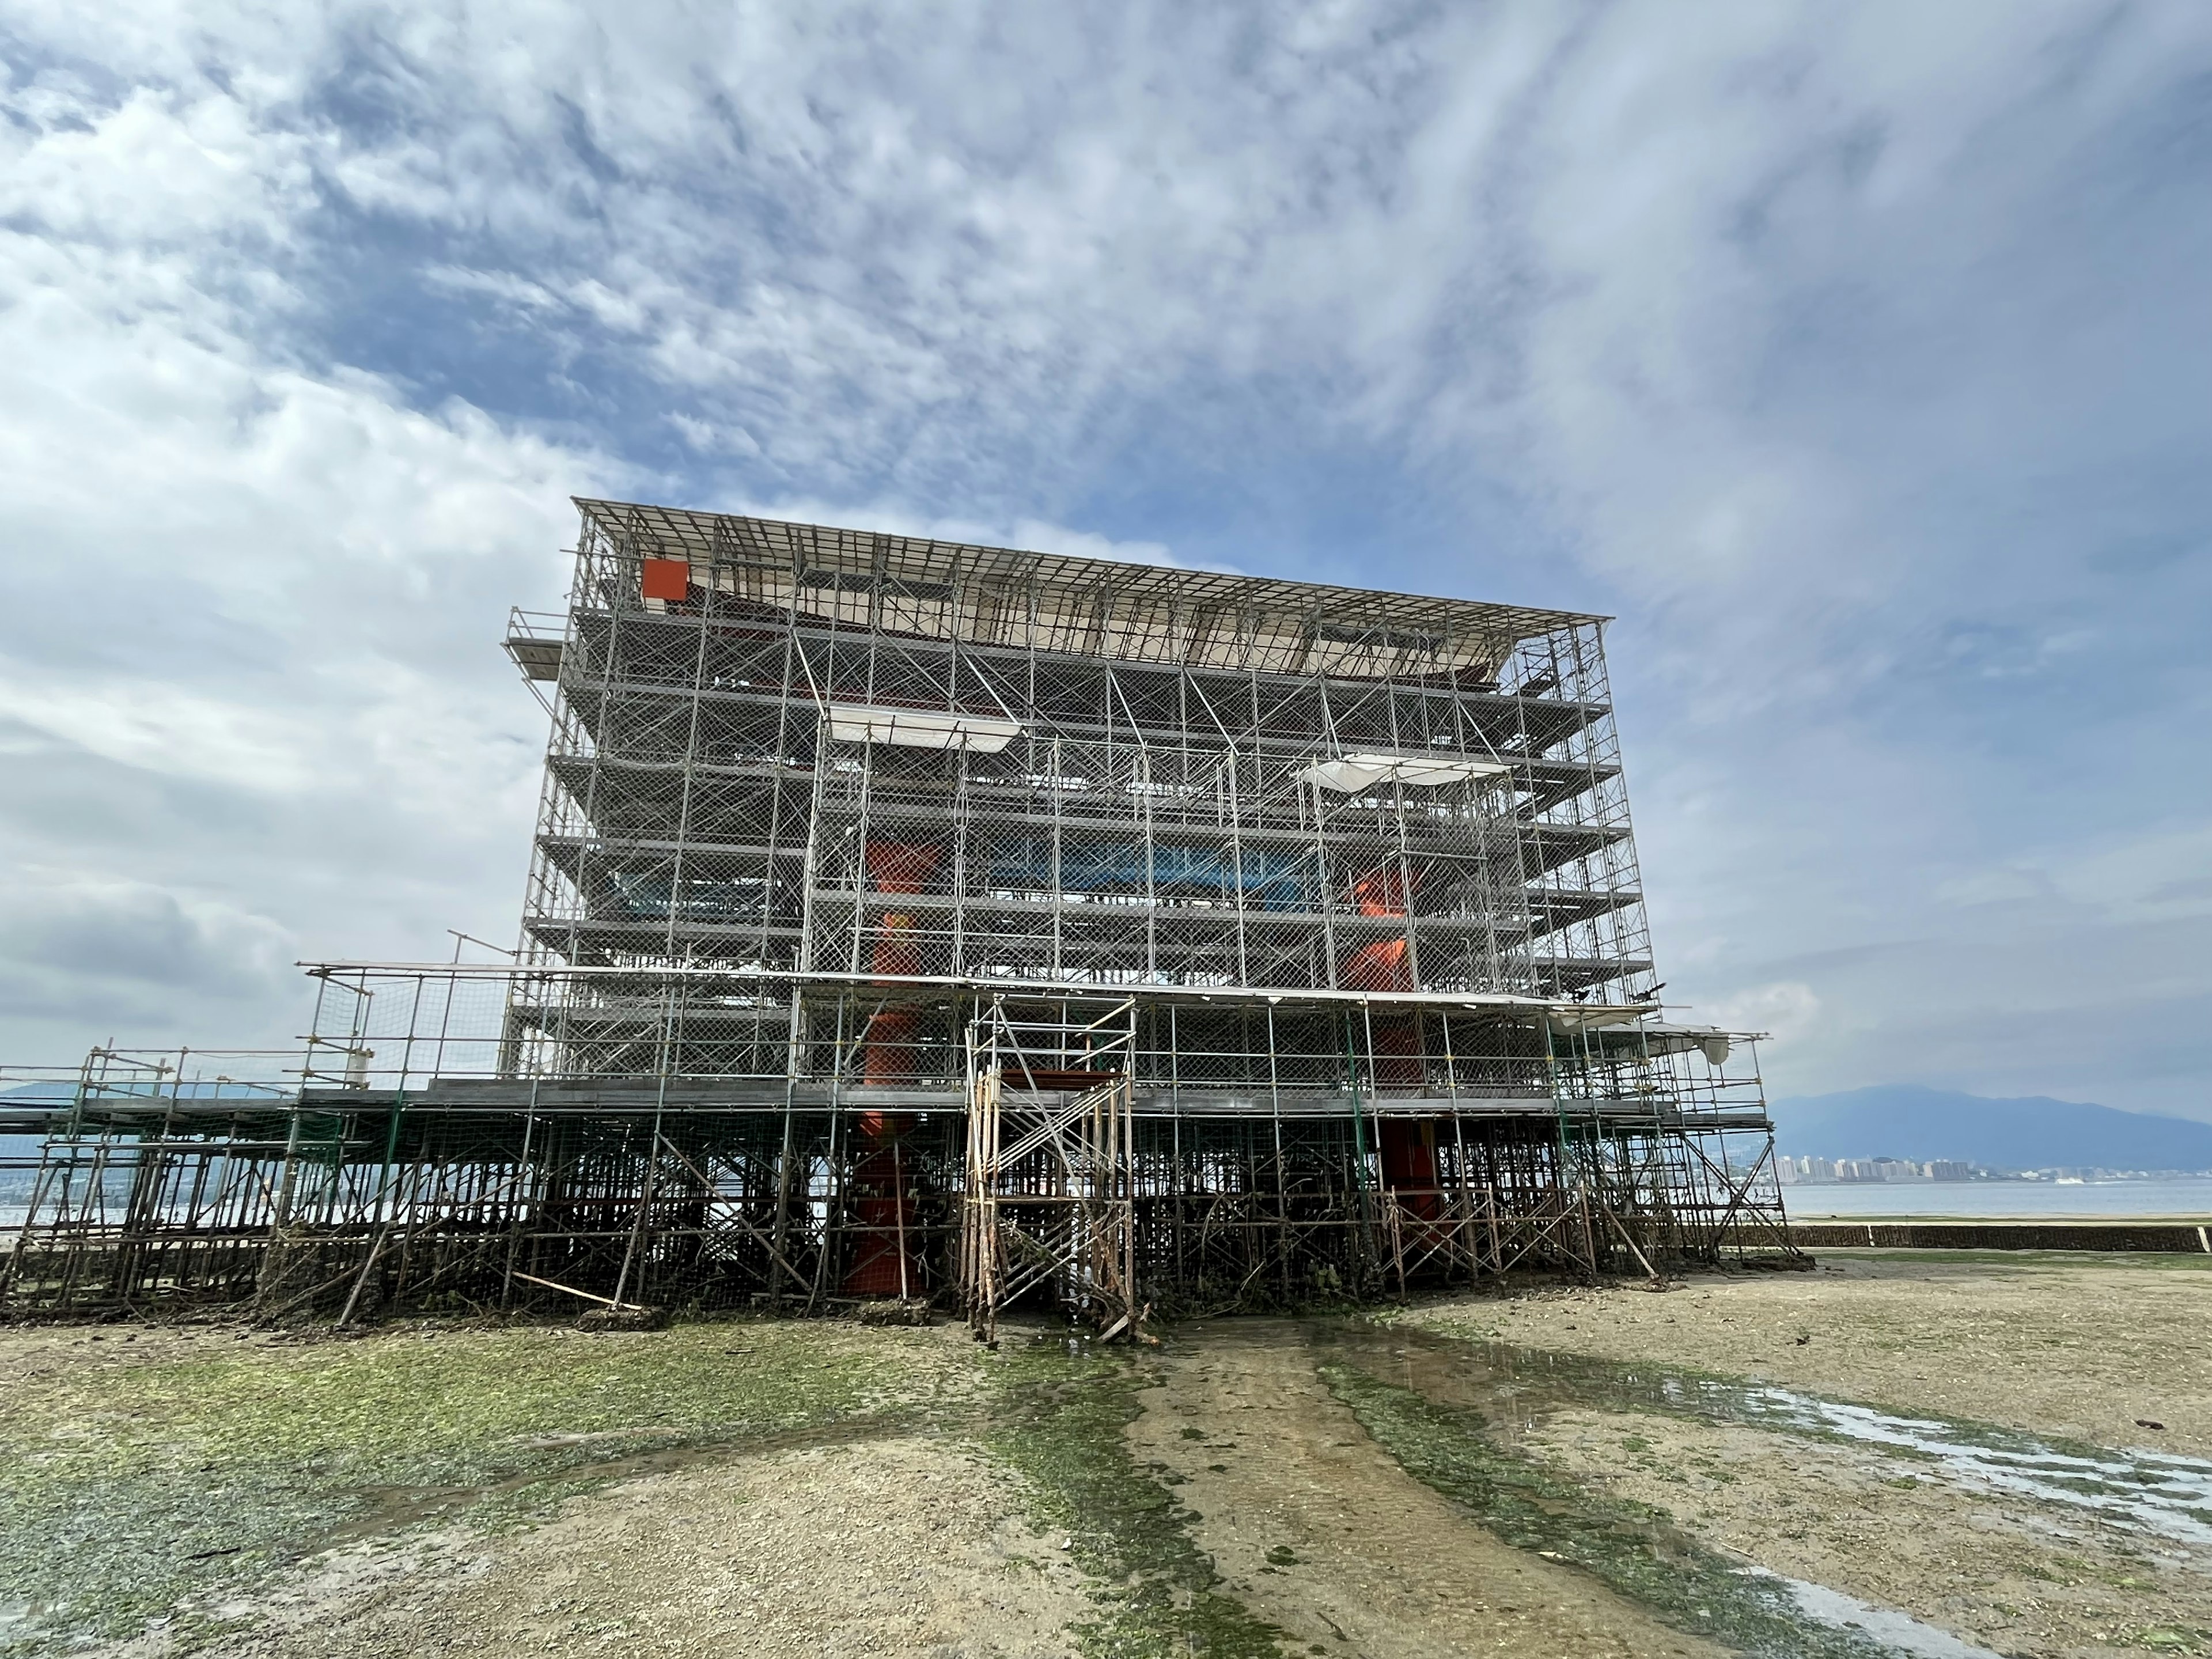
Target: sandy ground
pixel 896 1535
pixel 2009 1575
pixel 904 1547
pixel 854 1515
pixel 37 1358
pixel 1365 1559
pixel 2078 1347
pixel 2081 1347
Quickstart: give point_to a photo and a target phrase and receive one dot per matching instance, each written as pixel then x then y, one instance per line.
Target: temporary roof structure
pixel 1352 773
pixel 921 728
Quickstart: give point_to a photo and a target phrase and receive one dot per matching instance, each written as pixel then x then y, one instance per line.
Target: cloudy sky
pixel 1856 358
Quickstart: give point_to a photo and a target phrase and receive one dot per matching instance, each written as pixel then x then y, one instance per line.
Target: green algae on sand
pixel 1068 1404
pixel 1628 1547
pixel 164 1486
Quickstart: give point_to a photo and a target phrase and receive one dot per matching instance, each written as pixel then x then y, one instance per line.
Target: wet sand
pixel 2006 1574
pixel 2081 1347
pixel 810 1488
pixel 910 1547
pixel 1317 1529
pixel 2076 1348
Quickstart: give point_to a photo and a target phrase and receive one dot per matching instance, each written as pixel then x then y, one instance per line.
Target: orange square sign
pixel 667 578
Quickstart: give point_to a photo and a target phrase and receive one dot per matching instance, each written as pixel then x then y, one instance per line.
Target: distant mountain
pixel 1901 1120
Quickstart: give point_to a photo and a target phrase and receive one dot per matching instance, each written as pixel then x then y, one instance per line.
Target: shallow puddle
pixel 1336 1533
pixel 1635 1551
pixel 1513 1388
pixel 1467 1420
pixel 1226 1491
pixel 1899 1632
pixel 1473 1420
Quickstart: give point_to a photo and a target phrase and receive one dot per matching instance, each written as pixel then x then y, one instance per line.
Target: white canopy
pixel 1594 1015
pixel 1679 1039
pixel 1352 773
pixel 1660 1038
pixel 921 728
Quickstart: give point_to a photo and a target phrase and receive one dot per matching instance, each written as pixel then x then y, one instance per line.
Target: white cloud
pixel 1783 1012
pixel 250 687
pixel 1033 535
pixel 92 953
pixel 1853 357
pixel 166 728
pixel 161 167
pixel 708 438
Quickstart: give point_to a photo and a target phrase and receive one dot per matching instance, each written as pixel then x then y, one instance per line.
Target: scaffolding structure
pixel 920 920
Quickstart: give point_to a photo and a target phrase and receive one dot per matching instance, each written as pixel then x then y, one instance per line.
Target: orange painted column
pixel 1408 1145
pixel 887 1261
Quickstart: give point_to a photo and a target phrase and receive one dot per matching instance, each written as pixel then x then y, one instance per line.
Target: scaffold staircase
pixel 1050 1178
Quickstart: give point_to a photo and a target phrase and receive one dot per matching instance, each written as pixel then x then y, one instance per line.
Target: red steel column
pixel 1407 1144
pixel 886 1260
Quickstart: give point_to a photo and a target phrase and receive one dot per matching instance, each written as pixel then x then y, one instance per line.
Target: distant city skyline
pixel 1849 1171
pixel 1913 1125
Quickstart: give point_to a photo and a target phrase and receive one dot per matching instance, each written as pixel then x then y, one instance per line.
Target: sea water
pixel 2188 1198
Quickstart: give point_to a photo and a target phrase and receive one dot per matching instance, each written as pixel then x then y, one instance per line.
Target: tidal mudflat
pixel 2015 1449
pixel 1924 1454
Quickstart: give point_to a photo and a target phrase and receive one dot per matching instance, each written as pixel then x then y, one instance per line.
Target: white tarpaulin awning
pixel 921 728
pixel 1356 772
pixel 1594 1015
pixel 1679 1039
pixel 1657 1036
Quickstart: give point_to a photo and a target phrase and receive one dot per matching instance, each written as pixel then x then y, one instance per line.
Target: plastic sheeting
pixel 656 895
pixel 1656 1036
pixel 921 728
pixel 1278 881
pixel 1352 773
pixel 1710 1040
pixel 1595 1015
